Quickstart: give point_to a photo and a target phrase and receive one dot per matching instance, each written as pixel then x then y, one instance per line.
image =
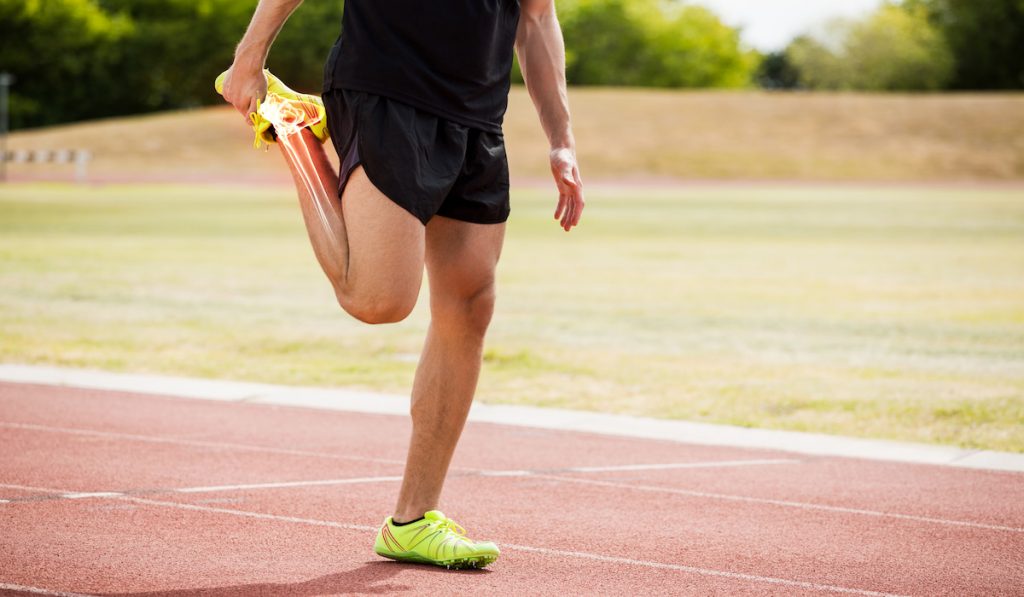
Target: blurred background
pixel 801 215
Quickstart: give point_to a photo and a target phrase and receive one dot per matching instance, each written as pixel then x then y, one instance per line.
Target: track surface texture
pixel 107 493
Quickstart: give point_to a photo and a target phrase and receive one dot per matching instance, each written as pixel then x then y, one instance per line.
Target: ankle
pixel 400 521
pixel 406 515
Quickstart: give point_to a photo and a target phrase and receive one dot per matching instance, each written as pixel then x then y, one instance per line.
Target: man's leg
pixel 461 260
pixel 371 249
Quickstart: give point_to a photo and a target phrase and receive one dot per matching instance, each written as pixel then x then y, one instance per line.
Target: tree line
pixel 80 59
pixel 913 45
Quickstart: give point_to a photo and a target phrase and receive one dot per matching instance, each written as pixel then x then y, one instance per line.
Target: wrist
pixel 562 139
pixel 566 143
pixel 249 59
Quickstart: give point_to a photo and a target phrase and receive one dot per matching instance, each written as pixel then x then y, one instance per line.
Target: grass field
pixel 632 134
pixel 893 312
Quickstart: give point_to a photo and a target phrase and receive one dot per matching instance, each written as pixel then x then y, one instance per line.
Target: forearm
pixel 541 52
pixel 266 23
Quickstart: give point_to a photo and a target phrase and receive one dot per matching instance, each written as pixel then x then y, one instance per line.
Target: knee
pixel 377 310
pixel 470 312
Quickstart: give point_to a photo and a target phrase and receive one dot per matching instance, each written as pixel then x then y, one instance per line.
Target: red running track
pixel 125 494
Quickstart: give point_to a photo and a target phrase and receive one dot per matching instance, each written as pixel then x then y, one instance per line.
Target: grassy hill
pixel 630 135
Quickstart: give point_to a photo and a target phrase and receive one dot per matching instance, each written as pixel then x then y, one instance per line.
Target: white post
pixel 82 158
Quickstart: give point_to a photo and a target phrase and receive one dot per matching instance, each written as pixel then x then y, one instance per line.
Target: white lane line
pixel 91 494
pixel 678 465
pixel 249 514
pixel 191 442
pixel 524 548
pixel 33 488
pixel 396 478
pixel 701 571
pixel 786 503
pixel 524 473
pixel 38 591
pixel 283 484
pixel 539 550
pixel 513 473
pixel 471 473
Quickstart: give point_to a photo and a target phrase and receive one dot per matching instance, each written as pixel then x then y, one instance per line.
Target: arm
pixel 246 82
pixel 541 52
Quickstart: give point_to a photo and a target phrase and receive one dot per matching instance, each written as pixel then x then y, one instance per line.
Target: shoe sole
pixel 452 564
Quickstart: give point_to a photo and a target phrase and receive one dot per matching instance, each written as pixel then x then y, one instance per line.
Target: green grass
pixel 878 312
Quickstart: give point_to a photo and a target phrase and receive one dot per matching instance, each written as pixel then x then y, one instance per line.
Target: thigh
pixel 461 258
pixel 385 242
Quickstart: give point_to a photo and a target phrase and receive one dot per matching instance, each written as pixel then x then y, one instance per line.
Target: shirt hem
pixel 483 125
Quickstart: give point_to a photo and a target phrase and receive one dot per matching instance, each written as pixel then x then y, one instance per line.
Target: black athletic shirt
pixel 451 58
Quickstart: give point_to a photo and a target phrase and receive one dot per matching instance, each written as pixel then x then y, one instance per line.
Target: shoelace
pixel 451 526
pixel 256 120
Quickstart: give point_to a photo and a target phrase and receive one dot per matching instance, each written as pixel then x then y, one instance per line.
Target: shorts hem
pixel 473 219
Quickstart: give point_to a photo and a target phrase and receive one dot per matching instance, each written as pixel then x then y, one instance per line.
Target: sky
pixel 770 25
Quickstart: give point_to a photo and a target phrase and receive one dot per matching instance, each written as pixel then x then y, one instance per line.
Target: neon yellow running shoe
pixel 310 106
pixel 434 540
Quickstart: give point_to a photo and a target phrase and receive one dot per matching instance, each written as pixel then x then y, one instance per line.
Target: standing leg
pixel 370 248
pixel 461 258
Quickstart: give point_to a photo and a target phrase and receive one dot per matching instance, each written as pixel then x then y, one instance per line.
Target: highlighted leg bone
pixel 288 119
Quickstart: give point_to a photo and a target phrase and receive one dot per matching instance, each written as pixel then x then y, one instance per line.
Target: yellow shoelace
pixel 451 526
pixel 256 120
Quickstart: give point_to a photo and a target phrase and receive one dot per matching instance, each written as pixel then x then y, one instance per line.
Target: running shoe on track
pixel 434 540
pixel 311 105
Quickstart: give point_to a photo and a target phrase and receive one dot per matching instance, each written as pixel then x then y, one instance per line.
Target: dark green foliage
pixel 62 53
pixel 79 59
pixel 987 40
pixel 777 72
pixel 303 45
pixel 178 48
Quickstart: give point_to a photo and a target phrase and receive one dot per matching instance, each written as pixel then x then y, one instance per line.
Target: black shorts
pixel 426 164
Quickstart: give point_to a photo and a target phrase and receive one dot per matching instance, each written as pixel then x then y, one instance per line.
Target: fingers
pixel 573 211
pixel 245 105
pixel 241 95
pixel 249 110
pixel 580 201
pixel 570 200
pixel 570 189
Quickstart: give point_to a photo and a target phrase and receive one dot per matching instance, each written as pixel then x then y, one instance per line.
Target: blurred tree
pixel 777 72
pixel 178 48
pixel 651 43
pixel 64 54
pixel 303 45
pixel 190 42
pixel 898 49
pixel 987 40
pixel 895 49
pixel 818 64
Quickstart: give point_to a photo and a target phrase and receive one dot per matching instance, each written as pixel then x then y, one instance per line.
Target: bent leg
pixel 371 249
pixel 461 259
